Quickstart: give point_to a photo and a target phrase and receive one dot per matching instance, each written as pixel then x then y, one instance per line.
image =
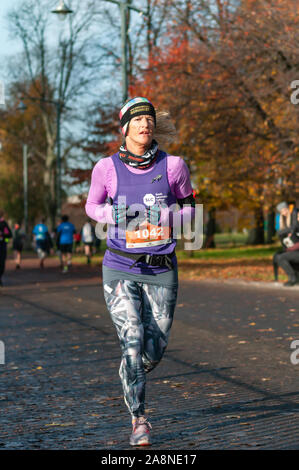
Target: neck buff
pixel 139 161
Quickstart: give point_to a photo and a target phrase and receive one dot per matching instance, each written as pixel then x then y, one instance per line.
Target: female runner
pixel 140 268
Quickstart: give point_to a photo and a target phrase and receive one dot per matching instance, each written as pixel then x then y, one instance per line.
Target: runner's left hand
pixel 153 214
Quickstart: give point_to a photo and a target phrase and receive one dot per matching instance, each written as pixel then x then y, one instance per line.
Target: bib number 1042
pixel 152 233
pixel 148 235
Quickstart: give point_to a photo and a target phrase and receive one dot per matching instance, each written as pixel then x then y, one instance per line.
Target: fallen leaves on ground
pixel 60 424
pixel 177 384
pixel 233 268
pixel 217 394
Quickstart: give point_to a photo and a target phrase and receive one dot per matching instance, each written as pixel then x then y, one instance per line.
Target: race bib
pixel 148 235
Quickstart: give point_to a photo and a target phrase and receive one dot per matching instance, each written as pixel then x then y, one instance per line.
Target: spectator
pixel 18 244
pixel 289 237
pixel 5 233
pixel 97 244
pixel 88 238
pixel 58 251
pixel 287 218
pixel 65 232
pixel 43 241
pixel 294 236
pixel 77 240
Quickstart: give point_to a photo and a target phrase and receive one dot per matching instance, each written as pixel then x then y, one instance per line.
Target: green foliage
pixel 262 252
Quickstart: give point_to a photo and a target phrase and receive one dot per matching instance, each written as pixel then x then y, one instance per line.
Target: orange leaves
pixel 228 97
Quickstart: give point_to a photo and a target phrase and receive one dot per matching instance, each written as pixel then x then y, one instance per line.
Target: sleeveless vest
pixel 140 191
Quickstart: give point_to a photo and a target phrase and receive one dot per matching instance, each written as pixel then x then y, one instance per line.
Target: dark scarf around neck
pixel 139 161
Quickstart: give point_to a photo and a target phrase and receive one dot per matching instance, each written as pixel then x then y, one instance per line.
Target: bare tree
pixel 58 65
pixel 143 35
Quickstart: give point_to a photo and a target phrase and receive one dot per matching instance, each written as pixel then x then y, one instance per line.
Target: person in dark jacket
pixel 288 257
pixel 5 234
pixel 18 244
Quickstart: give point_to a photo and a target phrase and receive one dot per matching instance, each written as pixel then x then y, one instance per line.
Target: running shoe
pixel 141 432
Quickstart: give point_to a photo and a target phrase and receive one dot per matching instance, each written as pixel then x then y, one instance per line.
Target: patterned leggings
pixel 142 314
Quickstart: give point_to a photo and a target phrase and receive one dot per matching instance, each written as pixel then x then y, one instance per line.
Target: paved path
pixel 225 382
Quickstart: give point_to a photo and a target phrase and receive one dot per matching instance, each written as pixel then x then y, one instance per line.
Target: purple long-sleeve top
pixel 104 183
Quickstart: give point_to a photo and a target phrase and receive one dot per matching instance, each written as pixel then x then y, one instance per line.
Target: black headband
pixel 138 109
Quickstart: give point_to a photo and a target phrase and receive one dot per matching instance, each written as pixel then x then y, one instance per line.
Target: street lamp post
pixel 25 183
pixel 58 166
pixel 22 107
pixel 124 52
pixel 62 11
pixel 25 180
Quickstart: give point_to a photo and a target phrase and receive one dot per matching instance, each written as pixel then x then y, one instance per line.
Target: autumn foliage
pixel 228 89
pixel 224 70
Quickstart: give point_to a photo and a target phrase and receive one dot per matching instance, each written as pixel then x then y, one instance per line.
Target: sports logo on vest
pixel 157 178
pixel 149 199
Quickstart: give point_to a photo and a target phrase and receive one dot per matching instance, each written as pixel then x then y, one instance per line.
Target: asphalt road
pixel 226 380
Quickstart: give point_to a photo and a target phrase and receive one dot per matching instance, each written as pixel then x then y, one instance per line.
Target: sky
pixel 7 46
pixel 5 6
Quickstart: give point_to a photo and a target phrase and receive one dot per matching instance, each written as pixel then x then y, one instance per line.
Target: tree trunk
pixel 210 230
pixel 256 235
pixel 50 193
pixel 270 226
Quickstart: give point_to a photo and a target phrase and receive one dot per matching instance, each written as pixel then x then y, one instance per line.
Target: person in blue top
pixel 65 233
pixel 42 241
